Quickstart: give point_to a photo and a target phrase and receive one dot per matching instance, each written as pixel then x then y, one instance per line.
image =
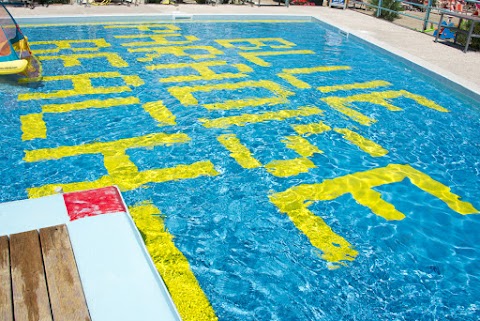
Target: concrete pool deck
pixel 440 58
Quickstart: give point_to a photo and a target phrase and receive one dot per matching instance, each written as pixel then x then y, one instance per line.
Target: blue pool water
pixel 253 260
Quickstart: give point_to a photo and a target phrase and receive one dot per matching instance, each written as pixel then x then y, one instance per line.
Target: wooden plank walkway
pixel 39 280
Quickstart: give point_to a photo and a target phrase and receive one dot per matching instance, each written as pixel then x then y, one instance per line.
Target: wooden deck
pixel 39 280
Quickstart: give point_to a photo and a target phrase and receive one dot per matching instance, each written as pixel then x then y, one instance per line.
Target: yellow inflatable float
pixel 15 54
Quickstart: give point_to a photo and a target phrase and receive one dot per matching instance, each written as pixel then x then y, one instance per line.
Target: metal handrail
pixel 427 8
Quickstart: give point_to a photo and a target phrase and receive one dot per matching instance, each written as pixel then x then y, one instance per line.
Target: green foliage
pixel 392 6
pixel 462 39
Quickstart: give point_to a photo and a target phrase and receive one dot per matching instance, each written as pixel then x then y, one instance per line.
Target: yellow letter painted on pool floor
pixel 173 266
pixel 245 119
pixel 368 146
pixel 289 167
pixel 185 94
pixel 34 127
pixel 288 74
pixel 238 151
pixel 360 85
pixel 160 113
pixel 86 104
pixel 131 178
pixel 312 128
pixel 109 148
pixel 82 85
pixel 256 43
pixel 301 146
pixel 378 98
pixel 95 45
pixel 295 201
pixel 279 168
pixel 204 71
pixel 178 51
pixel 74 59
pixel 158 39
pixel 121 170
pixel 153 27
pixel 254 57
pixel 365 144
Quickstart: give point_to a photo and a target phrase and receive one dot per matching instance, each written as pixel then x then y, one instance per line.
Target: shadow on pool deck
pixel 450 62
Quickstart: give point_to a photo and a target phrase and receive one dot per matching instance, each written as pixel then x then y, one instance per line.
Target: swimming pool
pixel 277 169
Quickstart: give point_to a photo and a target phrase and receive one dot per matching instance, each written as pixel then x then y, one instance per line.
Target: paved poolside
pixel 452 63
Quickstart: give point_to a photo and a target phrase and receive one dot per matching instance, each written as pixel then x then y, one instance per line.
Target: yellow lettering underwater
pixel 158 39
pixel 288 74
pixel 190 300
pixel 34 127
pixel 178 51
pixel 244 119
pixel 184 94
pixel 256 43
pixel 93 45
pixel 301 146
pixel 295 202
pixel 152 27
pixel 82 85
pixel 204 71
pixel 341 104
pixel 254 57
pixel 121 170
pixel 74 59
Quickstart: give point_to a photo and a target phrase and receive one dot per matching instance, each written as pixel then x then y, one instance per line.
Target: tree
pixel 474 42
pixel 391 9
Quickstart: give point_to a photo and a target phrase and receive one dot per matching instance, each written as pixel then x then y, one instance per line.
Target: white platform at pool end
pixel 119 279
